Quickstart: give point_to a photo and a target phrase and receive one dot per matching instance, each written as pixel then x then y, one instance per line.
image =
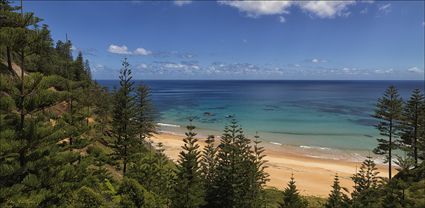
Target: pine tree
pixel 239 174
pixel 165 174
pixel 226 185
pixel 123 119
pixel 189 190
pixel 366 184
pixel 208 163
pixel 412 113
pixel 145 113
pixel 291 196
pixel 337 198
pixel 132 194
pixel 388 112
pixel 78 68
pixel 102 108
pixel 35 170
pixel 87 69
pixel 258 175
pixel 87 197
pixel 153 172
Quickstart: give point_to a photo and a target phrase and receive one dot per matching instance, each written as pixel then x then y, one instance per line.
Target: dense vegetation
pixel 68 142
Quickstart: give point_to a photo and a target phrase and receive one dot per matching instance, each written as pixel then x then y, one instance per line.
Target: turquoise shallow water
pixel 323 115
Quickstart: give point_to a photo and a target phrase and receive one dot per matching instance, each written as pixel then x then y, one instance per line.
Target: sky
pixel 305 40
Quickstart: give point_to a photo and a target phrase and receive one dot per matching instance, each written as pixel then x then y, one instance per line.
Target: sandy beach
pixel 314 176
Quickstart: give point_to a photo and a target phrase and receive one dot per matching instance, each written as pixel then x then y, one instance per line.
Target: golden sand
pixel 314 176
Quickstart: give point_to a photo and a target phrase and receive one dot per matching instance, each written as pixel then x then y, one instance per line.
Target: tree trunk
pixel 389 149
pixel 21 123
pixel 9 60
pixel 125 161
pixel 415 137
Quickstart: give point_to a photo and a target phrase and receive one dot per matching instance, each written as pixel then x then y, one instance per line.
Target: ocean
pixel 330 117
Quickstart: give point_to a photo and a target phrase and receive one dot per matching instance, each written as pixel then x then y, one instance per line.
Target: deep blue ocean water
pixel 319 114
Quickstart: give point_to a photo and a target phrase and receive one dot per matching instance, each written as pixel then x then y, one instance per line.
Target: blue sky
pixel 244 40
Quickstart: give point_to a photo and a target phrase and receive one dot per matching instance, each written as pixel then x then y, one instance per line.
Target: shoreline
pixel 314 176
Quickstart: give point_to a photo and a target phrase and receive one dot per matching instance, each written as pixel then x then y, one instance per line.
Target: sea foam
pixel 168 125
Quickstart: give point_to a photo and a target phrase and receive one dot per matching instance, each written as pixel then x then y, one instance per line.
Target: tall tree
pixel 208 164
pixel 258 175
pixel 239 173
pixel 388 112
pixel 291 196
pixel 337 198
pixel 9 25
pixel 87 69
pixel 145 113
pixel 124 117
pixel 189 190
pixel 226 183
pixel 78 69
pixel 411 128
pixel 366 184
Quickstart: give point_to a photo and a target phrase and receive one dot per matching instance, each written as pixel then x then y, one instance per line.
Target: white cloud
pixel 316 60
pixel 385 8
pixel 364 11
pixel 321 9
pixel 415 70
pixel 118 49
pixel 327 9
pixel 124 50
pixel 142 52
pixel 282 19
pixel 182 2
pixel 258 8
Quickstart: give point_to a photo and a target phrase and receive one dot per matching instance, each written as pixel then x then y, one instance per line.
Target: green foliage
pixel 132 193
pixel 145 113
pixel 124 126
pixel 51 156
pixel 86 197
pixel 239 173
pixel 388 111
pixel 291 196
pixel 413 126
pixel 366 184
pixel 154 172
pixel 188 190
pixel 208 164
pixel 337 198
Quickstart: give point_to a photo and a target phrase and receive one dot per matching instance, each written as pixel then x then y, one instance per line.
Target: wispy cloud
pixel 182 2
pixel 384 8
pixel 384 71
pixel 415 70
pixel 316 60
pixel 282 19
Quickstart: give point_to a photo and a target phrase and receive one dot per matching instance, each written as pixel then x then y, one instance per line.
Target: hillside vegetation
pixel 66 141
